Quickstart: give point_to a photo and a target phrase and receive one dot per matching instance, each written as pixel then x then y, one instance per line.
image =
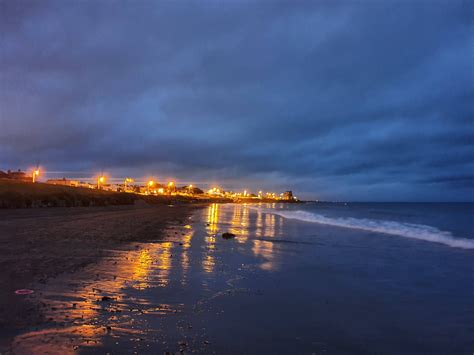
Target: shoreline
pixel 59 241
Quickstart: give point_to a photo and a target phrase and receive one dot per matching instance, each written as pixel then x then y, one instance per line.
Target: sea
pixel 451 224
pixel 306 278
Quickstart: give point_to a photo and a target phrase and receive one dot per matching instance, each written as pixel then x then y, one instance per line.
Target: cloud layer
pixel 337 100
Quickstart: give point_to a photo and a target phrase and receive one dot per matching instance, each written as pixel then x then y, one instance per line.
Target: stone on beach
pixel 228 235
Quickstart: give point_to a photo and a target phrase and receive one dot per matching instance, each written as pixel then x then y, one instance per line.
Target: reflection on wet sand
pixel 265 248
pixel 98 304
pixel 213 217
pixel 240 222
pixel 110 300
pixel 185 254
pixel 259 225
pixel 208 261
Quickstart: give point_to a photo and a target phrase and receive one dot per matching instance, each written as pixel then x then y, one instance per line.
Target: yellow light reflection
pixel 164 263
pixel 213 215
pixel 184 255
pixel 264 249
pixel 269 225
pixel 259 225
pixel 141 269
pixel 266 226
pixel 213 218
pixel 208 263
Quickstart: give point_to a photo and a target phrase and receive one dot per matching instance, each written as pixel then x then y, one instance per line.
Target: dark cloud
pixel 338 100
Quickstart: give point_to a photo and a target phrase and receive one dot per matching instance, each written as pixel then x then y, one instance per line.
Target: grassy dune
pixel 17 194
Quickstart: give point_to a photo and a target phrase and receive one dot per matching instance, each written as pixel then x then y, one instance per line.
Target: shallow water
pixel 281 286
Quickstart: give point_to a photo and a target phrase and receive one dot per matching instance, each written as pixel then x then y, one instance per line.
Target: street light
pixel 150 184
pixel 35 175
pixel 171 187
pixel 100 181
pixel 127 180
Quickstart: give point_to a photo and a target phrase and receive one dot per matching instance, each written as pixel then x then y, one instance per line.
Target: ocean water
pixel 296 279
pixel 451 224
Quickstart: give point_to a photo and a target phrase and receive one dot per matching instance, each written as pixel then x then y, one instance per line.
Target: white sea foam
pixel 407 230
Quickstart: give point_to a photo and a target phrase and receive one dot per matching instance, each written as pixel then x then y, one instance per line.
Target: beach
pixel 40 244
pixel 282 285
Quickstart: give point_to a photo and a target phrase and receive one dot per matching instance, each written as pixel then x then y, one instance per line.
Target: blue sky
pixel 336 100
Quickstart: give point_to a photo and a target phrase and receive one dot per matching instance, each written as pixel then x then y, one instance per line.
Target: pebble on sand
pixel 228 235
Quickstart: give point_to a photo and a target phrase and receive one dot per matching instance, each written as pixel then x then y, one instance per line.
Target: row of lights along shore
pixel 152 187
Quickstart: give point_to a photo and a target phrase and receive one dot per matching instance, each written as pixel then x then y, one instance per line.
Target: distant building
pixel 189 190
pixel 63 182
pixel 15 175
pixel 288 195
pixel 86 185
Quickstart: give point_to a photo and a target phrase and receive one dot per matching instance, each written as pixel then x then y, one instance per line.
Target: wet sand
pixel 41 244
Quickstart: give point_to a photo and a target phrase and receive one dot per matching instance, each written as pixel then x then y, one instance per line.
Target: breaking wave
pixel 407 230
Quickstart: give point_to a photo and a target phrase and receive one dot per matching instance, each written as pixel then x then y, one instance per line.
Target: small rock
pixel 228 235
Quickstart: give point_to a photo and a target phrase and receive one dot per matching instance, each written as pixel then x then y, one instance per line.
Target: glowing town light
pixel 35 174
pixel 161 190
pixel 171 184
pixel 150 184
pixel 213 191
pixel 100 181
pixel 127 181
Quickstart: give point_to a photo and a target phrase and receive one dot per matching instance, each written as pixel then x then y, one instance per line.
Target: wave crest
pixel 407 230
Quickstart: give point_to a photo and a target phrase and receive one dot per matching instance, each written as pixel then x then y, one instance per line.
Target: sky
pixel 335 100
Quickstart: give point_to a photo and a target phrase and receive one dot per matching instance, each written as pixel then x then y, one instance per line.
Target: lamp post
pixel 100 181
pixel 35 175
pixel 170 187
pixel 150 185
pixel 127 180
